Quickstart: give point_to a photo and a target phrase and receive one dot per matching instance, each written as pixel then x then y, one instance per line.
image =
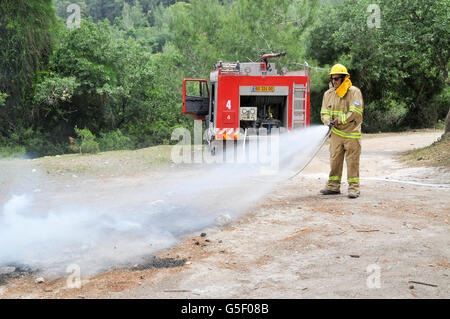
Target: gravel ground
pixel 392 242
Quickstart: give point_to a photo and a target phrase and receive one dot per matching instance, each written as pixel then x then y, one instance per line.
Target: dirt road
pixel 392 242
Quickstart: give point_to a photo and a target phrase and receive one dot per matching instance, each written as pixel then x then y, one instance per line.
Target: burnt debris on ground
pixel 14 271
pixel 156 262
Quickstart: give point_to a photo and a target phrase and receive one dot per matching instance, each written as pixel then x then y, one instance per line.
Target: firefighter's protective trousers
pixel 350 149
pixel 345 141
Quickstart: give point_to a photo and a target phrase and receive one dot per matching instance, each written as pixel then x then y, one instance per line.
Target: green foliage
pixel 31 142
pixel 52 98
pixel 206 31
pixel 12 151
pixel 120 74
pixel 86 142
pixel 26 37
pixel 400 65
pixel 383 115
pixel 40 143
pixel 3 97
pixel 442 102
pixel 106 76
pixel 165 97
pixel 114 140
pixel 61 6
pixel 319 84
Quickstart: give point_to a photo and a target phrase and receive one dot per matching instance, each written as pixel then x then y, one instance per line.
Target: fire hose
pixel 325 138
pixel 368 178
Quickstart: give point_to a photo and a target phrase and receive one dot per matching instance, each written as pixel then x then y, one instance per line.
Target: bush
pixel 12 151
pixel 86 143
pixel 442 103
pixel 42 144
pixel 114 140
pixel 383 115
pixel 3 97
pixel 30 143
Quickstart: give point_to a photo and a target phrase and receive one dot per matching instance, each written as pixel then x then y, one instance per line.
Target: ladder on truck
pixel 299 106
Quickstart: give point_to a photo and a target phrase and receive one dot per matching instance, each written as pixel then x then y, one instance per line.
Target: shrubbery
pixel 121 79
pixel 384 115
pixel 86 142
pixel 114 140
pixel 3 97
pixel 12 151
pixel 400 67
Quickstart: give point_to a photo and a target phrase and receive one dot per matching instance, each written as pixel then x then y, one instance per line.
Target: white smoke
pixel 103 226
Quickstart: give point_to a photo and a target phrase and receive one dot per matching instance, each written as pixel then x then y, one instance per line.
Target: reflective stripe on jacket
pixel 349 110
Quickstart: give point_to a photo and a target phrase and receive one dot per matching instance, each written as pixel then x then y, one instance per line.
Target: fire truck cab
pixel 242 96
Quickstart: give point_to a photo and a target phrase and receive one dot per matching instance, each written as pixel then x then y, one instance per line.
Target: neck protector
pixel 342 89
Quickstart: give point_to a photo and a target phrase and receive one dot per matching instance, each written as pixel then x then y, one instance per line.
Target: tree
pixel 400 66
pixel 447 123
pixel 206 31
pixel 26 35
pixel 419 42
pixel 3 97
pixel 104 81
pixel 52 99
pixel 104 74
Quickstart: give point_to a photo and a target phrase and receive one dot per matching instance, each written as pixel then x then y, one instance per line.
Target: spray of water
pixel 103 226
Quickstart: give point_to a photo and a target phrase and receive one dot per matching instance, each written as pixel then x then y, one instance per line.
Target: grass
pixel 12 151
pixel 112 163
pixel 132 162
pixel 108 163
pixel 436 154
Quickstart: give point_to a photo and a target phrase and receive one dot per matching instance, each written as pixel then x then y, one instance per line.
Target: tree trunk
pixel 447 123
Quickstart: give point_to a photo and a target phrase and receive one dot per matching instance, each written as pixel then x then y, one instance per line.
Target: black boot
pixel 329 192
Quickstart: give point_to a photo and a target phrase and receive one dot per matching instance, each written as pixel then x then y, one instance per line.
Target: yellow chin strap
pixel 342 89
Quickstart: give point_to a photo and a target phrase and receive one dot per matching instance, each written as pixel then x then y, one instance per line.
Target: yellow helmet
pixel 338 69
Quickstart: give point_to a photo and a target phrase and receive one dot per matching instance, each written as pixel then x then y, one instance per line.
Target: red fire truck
pixel 246 95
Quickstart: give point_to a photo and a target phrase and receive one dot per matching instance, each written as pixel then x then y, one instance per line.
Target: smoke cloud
pixel 101 226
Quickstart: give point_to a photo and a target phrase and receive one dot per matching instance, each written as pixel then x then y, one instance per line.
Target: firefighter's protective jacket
pixel 348 109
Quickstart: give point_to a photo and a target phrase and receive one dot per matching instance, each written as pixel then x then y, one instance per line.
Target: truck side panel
pixel 228 98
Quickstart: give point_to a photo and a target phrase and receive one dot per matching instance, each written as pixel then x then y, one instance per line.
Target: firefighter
pixel 342 107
